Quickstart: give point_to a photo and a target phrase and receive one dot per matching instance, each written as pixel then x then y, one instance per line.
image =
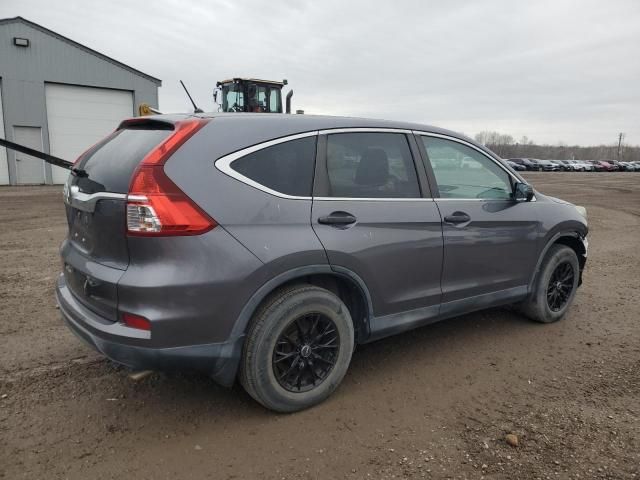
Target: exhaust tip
pixel 138 376
pixel 288 101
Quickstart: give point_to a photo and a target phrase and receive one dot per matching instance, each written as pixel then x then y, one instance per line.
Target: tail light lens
pixel 155 205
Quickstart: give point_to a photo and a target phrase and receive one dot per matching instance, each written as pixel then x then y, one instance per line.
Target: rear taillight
pixel 155 205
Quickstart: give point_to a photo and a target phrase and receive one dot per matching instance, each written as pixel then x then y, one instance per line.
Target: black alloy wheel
pixel 560 286
pixel 306 352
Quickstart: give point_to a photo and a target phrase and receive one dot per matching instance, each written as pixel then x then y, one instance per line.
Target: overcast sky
pixel 552 70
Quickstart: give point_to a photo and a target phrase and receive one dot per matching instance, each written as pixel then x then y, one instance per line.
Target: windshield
pixel 251 97
pixel 232 98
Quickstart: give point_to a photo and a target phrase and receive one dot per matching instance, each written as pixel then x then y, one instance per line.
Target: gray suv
pixel 266 247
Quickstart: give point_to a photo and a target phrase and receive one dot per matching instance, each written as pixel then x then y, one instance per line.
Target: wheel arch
pixel 572 239
pixel 344 283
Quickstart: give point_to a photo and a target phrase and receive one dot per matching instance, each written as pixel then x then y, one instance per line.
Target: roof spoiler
pixel 146 122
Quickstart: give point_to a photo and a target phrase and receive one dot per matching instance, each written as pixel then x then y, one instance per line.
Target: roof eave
pixel 102 56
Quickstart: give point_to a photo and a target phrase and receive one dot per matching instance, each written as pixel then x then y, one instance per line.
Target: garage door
pixel 78 117
pixel 4 168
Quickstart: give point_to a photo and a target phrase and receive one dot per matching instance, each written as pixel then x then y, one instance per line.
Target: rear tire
pixel 554 287
pixel 288 363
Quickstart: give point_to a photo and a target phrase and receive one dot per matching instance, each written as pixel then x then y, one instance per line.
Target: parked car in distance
pixel 516 166
pixel 547 166
pixel 576 165
pixel 468 162
pixel 626 167
pixel 266 247
pixel 604 166
pixel 597 166
pixel 526 162
pixel 623 166
pixel 534 164
pixel 583 165
pixel 616 165
pixel 563 165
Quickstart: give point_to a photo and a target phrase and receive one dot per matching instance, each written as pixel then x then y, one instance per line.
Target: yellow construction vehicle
pixel 251 95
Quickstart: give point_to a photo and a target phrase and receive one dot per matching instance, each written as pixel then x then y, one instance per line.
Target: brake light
pixel 136 321
pixel 155 205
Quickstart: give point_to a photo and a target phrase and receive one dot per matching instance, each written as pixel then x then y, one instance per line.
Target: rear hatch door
pixel 95 253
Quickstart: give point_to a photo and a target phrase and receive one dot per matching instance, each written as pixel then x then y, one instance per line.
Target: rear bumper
pixel 125 345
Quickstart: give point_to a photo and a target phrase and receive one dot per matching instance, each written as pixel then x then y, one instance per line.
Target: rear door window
pixel 283 168
pixel 371 165
pixel 111 163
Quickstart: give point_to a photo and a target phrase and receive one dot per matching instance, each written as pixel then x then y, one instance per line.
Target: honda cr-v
pixel 266 247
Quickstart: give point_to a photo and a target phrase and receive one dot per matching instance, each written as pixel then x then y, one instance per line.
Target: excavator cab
pixel 251 95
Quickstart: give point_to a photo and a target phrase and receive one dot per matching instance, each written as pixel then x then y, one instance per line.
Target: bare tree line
pixel 508 147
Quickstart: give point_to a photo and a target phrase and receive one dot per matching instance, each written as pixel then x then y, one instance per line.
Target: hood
pixel 558 200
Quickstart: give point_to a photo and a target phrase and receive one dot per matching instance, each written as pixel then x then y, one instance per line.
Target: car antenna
pixel 195 108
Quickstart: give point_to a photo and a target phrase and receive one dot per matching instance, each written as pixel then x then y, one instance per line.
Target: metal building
pixel 60 97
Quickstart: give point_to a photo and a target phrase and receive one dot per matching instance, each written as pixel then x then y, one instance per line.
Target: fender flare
pixel 241 323
pixel 543 252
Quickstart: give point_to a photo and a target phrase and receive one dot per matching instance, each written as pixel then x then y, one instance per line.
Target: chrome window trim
pixel 224 164
pixel 329 131
pixel 461 199
pixel 87 201
pixel 376 199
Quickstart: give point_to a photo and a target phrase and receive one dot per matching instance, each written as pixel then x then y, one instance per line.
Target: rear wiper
pixel 79 172
pixel 59 162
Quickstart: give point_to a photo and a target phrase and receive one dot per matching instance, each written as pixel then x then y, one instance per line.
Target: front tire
pixel 298 348
pixel 555 286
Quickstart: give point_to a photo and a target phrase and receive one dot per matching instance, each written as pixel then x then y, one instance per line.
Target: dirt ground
pixel 433 403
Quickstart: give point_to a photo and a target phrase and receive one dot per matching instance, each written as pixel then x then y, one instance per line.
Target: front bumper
pixel 125 345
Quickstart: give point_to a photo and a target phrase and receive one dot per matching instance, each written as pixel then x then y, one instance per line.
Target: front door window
pixel 462 172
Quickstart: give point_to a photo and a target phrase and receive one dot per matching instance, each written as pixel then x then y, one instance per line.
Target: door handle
pixel 337 218
pixel 457 217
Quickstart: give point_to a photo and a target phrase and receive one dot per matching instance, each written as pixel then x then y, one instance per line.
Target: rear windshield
pixel 111 165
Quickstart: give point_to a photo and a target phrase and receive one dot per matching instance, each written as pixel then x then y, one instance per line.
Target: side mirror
pixel 522 192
